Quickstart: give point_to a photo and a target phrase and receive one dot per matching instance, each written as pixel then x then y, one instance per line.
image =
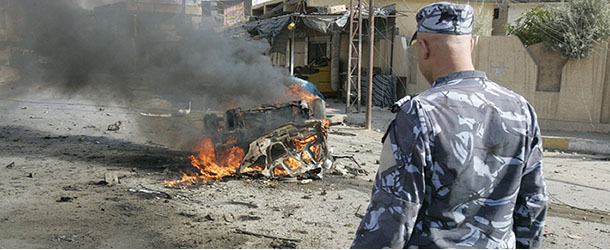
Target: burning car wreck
pixel 283 140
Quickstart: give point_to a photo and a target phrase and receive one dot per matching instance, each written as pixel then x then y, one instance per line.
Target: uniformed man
pixel 461 165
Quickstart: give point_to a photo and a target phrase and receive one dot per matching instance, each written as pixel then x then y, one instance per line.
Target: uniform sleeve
pixel 531 206
pixel 398 191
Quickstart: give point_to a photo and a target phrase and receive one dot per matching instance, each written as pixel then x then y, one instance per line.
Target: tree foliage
pixel 527 27
pixel 573 28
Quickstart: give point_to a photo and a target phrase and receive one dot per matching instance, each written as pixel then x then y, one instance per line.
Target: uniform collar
pixel 443 80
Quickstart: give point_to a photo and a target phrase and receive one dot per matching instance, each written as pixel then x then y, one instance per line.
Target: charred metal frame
pixel 268 133
pixel 275 149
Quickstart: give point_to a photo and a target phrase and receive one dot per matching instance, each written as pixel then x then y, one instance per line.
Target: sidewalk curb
pixel 580 145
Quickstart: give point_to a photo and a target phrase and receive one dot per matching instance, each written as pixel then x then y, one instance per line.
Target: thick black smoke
pixel 115 51
pixel 111 54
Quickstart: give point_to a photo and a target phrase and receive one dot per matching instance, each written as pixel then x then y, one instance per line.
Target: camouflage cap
pixel 445 18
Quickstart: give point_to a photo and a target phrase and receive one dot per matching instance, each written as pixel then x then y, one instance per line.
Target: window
pixel 316 51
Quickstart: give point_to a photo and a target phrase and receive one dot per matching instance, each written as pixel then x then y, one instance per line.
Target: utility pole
pixel 292 53
pixel 369 92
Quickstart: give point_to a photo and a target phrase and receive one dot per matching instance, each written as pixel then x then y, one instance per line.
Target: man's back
pixel 463 148
pixel 481 135
pixel 461 165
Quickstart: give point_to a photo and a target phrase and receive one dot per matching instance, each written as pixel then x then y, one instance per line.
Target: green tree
pixel 527 27
pixel 573 28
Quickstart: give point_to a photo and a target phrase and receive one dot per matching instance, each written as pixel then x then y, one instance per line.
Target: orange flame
pixel 306 157
pixel 299 144
pixel 279 171
pixel 210 168
pixel 292 163
pixel 300 92
pixel 315 149
pixel 253 168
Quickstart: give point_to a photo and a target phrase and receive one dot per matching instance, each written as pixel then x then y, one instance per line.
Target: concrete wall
pixel 582 102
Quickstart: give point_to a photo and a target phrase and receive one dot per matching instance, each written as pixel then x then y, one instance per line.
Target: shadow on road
pixel 36 144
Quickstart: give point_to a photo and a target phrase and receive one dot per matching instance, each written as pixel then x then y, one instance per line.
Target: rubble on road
pixel 115 126
pixel 66 199
pixel 10 165
pixel 111 179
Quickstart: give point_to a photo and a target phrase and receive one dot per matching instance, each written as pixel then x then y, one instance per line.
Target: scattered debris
pixel 306 181
pixel 357 214
pixel 229 217
pixel 574 237
pixel 99 183
pixel 337 171
pixel 356 171
pixel 115 126
pixel 182 198
pixel 66 199
pixel 162 215
pixel 249 205
pixel 300 231
pixel 342 133
pixel 283 244
pixel 185 111
pixel 48 137
pixel 111 179
pixel 151 192
pixel 155 115
pixel 10 165
pixel 209 217
pixel 70 188
pixel 249 217
pixel 187 215
pixel 549 234
pixel 239 231
pixel 71 238
pixel 351 157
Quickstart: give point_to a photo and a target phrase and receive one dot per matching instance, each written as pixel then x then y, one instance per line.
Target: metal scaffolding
pixel 354 62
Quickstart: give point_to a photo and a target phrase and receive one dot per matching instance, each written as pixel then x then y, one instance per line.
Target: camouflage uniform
pixel 461 168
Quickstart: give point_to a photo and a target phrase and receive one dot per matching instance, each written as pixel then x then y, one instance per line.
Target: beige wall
pixel 582 103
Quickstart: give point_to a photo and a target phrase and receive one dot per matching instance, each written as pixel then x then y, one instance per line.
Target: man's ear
pixel 424 49
pixel 471 45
